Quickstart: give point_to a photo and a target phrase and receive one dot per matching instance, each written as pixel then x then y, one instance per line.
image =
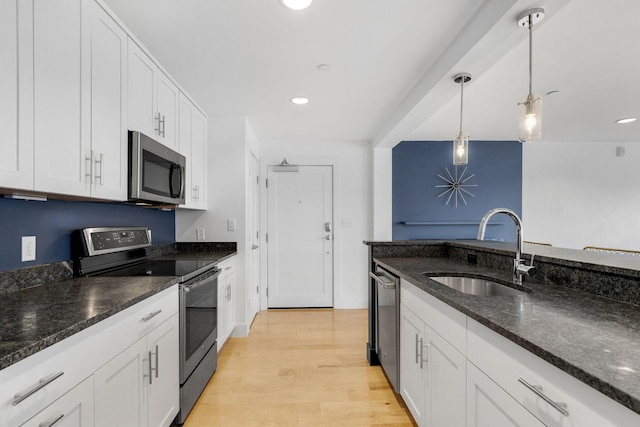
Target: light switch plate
pixel 200 234
pixel 231 224
pixel 28 248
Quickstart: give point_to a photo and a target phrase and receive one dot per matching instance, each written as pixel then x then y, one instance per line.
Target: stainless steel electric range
pixel 120 251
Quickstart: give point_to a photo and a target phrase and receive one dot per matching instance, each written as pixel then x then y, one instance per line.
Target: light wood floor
pixel 299 368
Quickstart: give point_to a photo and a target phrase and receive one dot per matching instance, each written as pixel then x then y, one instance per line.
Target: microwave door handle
pixel 174 169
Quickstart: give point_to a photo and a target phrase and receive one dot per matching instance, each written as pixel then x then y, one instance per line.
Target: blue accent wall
pixel 53 221
pixel 497 166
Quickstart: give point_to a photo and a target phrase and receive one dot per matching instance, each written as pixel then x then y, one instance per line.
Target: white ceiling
pixel 392 62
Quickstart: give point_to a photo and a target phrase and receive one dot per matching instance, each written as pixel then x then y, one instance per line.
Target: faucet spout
pixel 519 269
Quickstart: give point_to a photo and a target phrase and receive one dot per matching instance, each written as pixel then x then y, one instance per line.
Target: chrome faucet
pixel 519 268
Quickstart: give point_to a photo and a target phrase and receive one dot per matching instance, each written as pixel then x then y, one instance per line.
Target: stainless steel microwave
pixel 156 173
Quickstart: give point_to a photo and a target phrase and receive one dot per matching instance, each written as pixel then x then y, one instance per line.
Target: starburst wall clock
pixel 456 185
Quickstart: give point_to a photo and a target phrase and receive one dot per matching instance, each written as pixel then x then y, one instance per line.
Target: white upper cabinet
pixel 61 142
pixel 153 99
pixel 142 93
pixel 193 145
pixel 16 144
pixel 108 107
pixel 72 82
pixel 79 100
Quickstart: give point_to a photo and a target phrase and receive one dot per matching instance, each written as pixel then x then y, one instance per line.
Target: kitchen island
pixel 576 326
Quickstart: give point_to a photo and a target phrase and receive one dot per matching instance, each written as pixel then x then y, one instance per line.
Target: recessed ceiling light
pixel 323 67
pixel 299 100
pixel 626 120
pixel 296 4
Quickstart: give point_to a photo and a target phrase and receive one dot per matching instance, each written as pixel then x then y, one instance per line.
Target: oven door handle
pixel 383 279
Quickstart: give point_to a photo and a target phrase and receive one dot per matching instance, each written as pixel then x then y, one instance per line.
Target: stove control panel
pixel 107 239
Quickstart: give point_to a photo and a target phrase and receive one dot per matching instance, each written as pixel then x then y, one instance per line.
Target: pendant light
pixel 530 114
pixel 461 142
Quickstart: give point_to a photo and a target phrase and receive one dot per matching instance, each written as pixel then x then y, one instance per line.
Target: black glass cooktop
pixel 182 268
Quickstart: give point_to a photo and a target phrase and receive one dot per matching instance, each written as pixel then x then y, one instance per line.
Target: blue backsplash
pixel 497 166
pixel 53 221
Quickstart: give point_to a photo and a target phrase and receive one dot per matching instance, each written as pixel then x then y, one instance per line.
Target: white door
pixel 300 237
pixel 254 239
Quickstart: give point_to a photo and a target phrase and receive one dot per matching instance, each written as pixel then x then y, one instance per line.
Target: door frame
pixel 270 160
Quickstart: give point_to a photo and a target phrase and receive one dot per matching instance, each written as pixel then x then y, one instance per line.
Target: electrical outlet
pixel 200 234
pixel 28 248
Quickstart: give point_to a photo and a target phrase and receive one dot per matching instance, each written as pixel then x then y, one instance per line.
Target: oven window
pixel 200 314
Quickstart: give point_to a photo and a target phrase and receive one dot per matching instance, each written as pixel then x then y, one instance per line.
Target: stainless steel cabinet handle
pixel 559 406
pixel 253 248
pixel 150 367
pixel 101 168
pixel 88 173
pixel 228 268
pixel 43 382
pixel 156 368
pixel 421 353
pixel 151 315
pixel 417 349
pixel 160 128
pixel 52 421
pixel 157 365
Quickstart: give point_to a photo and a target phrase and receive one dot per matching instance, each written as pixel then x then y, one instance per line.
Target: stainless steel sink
pixel 475 286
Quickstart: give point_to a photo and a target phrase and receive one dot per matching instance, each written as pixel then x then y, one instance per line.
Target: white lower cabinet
pixel 432 373
pixel 455 371
pixel 489 405
pixel 73 409
pixel 226 300
pixel 122 371
pixel 139 387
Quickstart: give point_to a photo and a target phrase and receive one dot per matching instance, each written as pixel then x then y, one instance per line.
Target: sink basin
pixel 475 286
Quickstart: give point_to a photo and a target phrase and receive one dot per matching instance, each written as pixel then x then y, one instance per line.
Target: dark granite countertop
pixel 37 317
pixel 594 339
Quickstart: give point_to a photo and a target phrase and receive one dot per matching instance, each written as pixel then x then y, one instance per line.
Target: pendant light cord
pixel 530 53
pixel 461 100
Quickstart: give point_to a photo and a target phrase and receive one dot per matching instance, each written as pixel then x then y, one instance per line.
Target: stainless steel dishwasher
pixel 388 323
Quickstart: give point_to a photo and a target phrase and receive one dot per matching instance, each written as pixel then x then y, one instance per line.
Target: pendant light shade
pixel 461 141
pixel 530 107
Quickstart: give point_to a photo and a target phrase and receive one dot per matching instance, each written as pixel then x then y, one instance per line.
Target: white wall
pixel 230 139
pixel 578 194
pixel 352 200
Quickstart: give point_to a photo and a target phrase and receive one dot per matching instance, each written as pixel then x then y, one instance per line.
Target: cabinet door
pixel 167 109
pixel 141 92
pixel 61 149
pixel 412 370
pixel 108 106
pixel 164 384
pixel 222 313
pixel 120 390
pixel 73 409
pixel 184 147
pixel 16 144
pixel 489 405
pixel 446 381
pixel 229 312
pixel 199 158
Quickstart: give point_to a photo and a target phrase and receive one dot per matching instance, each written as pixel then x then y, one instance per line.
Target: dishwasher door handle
pixel 381 278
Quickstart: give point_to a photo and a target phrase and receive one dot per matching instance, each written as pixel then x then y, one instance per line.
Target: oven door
pixel 198 320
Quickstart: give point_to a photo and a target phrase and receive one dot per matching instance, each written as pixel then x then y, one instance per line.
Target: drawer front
pixel 228 267
pixel 448 322
pixel 77 357
pixel 511 366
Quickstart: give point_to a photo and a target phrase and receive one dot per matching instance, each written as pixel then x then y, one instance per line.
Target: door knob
pixel 254 247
